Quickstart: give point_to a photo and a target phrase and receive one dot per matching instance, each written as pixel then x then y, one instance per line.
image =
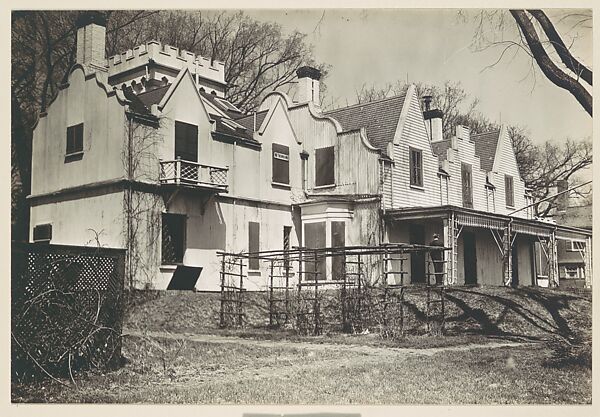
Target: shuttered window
pixel 467 185
pixel 338 239
pixel 42 233
pixel 281 164
pixel 173 238
pixel 253 244
pixel 416 167
pixel 315 238
pixel 75 139
pixel 509 191
pixel 186 141
pixel 324 166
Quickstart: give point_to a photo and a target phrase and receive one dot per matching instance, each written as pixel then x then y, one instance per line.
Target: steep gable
pixel 379 118
pixel 485 148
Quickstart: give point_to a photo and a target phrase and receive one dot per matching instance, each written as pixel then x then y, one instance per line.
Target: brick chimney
pixel 433 120
pixel 91 39
pixel 308 85
pixel 562 201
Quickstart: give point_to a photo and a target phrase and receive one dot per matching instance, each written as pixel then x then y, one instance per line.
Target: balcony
pixel 193 175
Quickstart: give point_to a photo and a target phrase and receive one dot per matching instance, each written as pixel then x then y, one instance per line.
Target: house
pixel 572 255
pixel 142 151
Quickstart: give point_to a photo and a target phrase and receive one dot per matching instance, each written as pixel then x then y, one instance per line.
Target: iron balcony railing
pixel 189 173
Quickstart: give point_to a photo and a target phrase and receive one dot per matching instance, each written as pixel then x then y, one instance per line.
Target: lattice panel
pixel 66 304
pixel 218 176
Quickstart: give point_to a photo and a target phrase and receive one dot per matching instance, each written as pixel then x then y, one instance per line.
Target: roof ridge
pixel 367 103
pixel 251 114
pixel 486 133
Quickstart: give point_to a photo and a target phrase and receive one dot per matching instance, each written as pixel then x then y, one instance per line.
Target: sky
pixel 377 46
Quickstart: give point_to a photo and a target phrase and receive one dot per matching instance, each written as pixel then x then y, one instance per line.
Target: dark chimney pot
pixel 427 101
pixel 90 16
pixel 309 72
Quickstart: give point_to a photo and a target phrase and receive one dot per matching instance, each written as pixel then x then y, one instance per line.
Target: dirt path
pixel 331 347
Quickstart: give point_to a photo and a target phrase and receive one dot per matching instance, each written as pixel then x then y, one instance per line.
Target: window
pixel 42 233
pixel 467 185
pixel 573 272
pixel 576 246
pixel 281 164
pixel 314 238
pixel 416 167
pixel 186 141
pixel 509 191
pixel 253 244
pixel 75 139
pixel 173 238
pixel 338 239
pixel 324 166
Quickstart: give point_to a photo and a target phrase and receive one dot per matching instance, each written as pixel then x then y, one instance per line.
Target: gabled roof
pixel 154 96
pixel 232 129
pixel 485 148
pixel 379 118
pixel 248 121
pixel 222 104
pixel 440 147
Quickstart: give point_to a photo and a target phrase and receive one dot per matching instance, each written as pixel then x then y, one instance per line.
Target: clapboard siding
pixel 505 163
pixel 414 135
pixel 465 153
pixel 356 166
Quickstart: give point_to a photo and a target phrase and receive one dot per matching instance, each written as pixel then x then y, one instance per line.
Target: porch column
pixel 553 277
pixel 588 262
pixel 507 260
pixel 450 256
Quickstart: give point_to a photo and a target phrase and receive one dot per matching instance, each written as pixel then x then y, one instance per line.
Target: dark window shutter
pixel 324 166
pixel 416 167
pixel 467 185
pixel 253 244
pixel 281 164
pixel 75 138
pixel 338 239
pixel 173 238
pixel 186 141
pixel 42 233
pixel 509 190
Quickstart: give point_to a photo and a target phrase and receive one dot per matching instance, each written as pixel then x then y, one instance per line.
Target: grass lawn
pixel 172 370
pixel 496 352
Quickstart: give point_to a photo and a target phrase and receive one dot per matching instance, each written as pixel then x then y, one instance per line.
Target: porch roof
pixel 481 219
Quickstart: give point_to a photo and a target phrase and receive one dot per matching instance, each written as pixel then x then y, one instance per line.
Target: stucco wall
pixel 75 221
pixel 103 137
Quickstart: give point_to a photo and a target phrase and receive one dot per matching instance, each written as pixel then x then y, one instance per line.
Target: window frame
pixel 253 246
pixel 178 258
pixel 573 248
pixel 329 153
pixel 415 182
pixel 187 131
pixel 38 227
pixel 464 169
pixel 280 156
pixel 509 202
pixel 74 139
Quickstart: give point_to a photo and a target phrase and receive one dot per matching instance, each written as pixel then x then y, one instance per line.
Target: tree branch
pixel 563 52
pixel 548 67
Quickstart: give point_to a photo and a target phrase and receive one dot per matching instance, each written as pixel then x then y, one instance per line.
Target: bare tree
pixel 258 56
pixel 537 36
